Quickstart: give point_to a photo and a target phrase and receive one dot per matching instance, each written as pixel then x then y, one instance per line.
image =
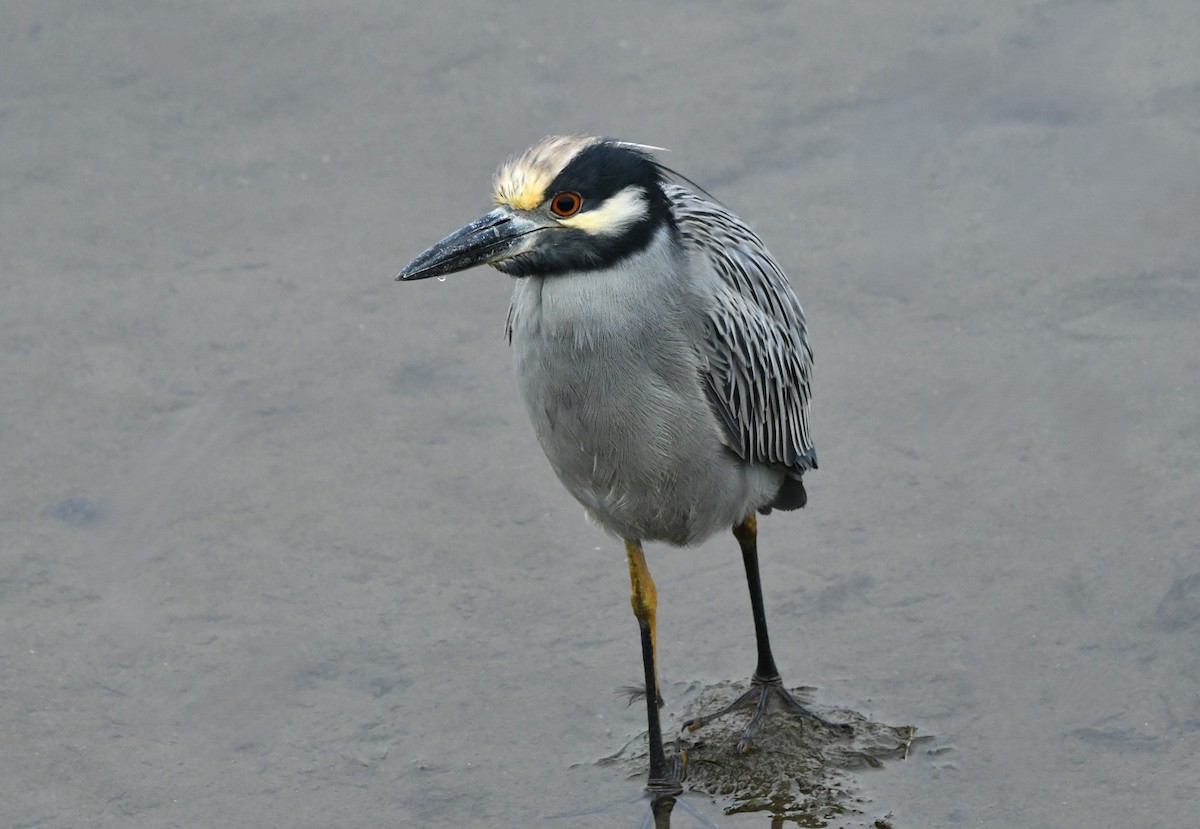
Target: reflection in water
pixel 658 815
pixel 660 809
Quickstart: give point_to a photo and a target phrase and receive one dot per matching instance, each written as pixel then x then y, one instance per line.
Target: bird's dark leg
pixel 664 779
pixel 766 682
pixel 746 534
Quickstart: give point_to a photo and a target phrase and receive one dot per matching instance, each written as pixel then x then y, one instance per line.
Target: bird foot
pixel 760 695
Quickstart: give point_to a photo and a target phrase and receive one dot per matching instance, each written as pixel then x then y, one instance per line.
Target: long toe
pixel 791 705
pixel 761 695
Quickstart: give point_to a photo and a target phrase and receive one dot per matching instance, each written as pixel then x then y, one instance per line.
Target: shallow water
pixel 279 545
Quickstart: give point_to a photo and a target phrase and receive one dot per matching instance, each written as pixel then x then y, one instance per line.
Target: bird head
pixel 568 203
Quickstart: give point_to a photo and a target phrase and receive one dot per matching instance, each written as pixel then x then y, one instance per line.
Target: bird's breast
pixel 596 362
pixel 611 378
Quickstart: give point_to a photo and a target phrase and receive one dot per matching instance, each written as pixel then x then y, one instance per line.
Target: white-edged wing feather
pixel 759 362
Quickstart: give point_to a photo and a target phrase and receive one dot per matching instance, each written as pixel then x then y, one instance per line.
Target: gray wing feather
pixel 759 362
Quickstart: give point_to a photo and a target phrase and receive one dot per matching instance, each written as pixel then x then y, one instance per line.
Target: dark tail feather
pixel 791 496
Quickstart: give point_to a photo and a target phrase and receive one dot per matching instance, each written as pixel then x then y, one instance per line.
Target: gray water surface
pixel 279 547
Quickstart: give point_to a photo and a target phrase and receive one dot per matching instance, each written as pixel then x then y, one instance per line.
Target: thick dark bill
pixel 486 239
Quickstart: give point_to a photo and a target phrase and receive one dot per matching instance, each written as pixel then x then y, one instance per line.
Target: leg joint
pixel 747 531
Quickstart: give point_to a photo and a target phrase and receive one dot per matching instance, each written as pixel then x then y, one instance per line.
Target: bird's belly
pixel 629 432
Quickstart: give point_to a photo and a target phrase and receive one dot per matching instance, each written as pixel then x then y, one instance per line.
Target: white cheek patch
pixel 612 218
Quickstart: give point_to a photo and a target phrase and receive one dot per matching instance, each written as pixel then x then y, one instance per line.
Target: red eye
pixel 566 204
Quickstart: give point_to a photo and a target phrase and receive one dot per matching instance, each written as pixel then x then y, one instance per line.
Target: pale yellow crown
pixel 522 180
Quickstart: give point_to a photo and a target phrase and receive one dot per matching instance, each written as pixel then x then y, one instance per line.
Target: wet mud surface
pixel 796 771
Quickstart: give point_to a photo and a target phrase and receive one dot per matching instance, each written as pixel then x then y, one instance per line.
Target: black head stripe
pixel 603 170
pixel 597 173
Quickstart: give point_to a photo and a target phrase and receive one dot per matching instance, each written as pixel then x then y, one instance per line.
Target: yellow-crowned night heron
pixel 663 358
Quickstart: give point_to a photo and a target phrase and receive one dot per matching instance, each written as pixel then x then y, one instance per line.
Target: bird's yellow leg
pixel 664 779
pixel 644 599
pixel 747 531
